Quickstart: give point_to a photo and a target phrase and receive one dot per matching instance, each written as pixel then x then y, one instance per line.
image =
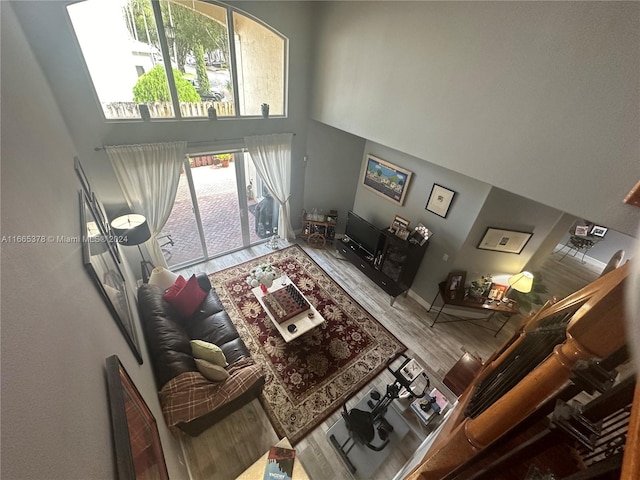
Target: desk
pixel 490 308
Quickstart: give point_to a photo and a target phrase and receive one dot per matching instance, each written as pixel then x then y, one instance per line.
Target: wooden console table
pixel 492 308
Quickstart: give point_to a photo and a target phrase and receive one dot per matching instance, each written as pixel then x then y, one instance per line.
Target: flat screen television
pixel 363 233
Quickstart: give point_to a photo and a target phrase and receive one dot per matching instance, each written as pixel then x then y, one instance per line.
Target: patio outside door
pixel 221 206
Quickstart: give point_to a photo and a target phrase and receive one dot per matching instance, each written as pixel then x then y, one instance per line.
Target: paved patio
pixel 220 212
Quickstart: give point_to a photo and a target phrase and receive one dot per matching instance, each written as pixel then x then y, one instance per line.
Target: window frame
pixel 166 61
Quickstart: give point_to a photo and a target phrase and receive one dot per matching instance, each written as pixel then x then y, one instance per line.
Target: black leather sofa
pixel 191 403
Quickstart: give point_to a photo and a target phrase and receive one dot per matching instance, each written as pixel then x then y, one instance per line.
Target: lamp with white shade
pixel 522 282
pixel 132 229
pixel 163 278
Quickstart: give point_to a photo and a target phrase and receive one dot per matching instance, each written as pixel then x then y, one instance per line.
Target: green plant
pixel 152 87
pixel 526 301
pixel 201 70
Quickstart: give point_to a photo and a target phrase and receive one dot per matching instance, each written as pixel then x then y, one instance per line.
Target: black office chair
pixel 363 425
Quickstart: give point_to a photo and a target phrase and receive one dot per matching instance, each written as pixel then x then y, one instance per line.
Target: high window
pixel 180 59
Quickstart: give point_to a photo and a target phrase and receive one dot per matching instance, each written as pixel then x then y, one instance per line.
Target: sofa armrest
pixel 190 396
pixel 203 281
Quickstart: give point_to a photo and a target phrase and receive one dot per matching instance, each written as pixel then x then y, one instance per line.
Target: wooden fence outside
pixel 126 110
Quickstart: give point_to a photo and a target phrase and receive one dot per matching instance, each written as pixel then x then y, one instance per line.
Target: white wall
pixel 56 329
pixel 537 98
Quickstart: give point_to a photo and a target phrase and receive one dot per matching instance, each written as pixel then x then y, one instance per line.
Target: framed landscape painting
pixel 386 179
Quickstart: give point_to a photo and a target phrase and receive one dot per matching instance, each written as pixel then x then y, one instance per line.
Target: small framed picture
pixel 598 231
pixel 582 230
pixel 399 223
pixel 497 292
pixel 403 233
pixel 455 284
pixel 440 200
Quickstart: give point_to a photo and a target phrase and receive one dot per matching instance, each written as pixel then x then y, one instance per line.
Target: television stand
pixel 394 266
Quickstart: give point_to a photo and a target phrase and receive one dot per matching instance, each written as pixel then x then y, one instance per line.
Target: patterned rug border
pixel 256 349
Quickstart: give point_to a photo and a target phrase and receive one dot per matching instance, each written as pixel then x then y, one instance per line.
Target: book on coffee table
pixel 279 463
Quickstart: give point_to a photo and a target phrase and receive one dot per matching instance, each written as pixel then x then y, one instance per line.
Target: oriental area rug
pixel 310 377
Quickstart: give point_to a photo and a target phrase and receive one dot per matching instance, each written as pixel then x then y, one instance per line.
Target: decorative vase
pixel 213 115
pixel 265 110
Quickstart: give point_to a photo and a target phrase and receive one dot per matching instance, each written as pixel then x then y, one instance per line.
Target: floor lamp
pixel 522 282
pixel 133 229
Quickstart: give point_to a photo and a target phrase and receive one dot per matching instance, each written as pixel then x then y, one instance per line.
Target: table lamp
pixel 132 229
pixel 163 278
pixel 522 282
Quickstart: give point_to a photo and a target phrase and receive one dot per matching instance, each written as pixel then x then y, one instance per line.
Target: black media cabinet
pixel 392 268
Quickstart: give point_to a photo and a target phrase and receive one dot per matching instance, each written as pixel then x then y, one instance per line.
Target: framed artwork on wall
pixel 386 179
pixel 440 200
pixel 598 231
pixel 506 241
pixel 104 270
pixel 135 432
pixel 84 181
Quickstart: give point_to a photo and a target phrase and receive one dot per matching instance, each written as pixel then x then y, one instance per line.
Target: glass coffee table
pixel 295 326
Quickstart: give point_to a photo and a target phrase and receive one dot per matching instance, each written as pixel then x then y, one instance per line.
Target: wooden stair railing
pixel 631 460
pixel 595 331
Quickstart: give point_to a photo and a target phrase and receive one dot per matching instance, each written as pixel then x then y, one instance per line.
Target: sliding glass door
pixel 222 205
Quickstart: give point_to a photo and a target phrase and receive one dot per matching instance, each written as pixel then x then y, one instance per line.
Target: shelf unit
pixel 393 268
pixel 318 233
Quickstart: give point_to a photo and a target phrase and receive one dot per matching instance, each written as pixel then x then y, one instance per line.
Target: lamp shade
pixel 522 282
pixel 131 229
pixel 162 277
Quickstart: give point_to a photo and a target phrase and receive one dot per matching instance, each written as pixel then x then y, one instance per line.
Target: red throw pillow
pixel 185 296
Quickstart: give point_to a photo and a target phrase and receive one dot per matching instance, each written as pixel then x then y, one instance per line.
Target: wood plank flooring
pixel 229 447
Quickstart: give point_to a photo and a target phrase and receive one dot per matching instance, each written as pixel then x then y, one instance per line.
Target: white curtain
pixel 271 154
pixel 149 176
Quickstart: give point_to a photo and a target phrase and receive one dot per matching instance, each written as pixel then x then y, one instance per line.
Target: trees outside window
pixel 131 68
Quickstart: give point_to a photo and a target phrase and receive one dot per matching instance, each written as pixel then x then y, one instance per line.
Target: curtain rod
pixel 194 144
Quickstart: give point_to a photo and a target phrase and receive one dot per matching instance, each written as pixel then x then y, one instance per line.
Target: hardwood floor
pixel 229 447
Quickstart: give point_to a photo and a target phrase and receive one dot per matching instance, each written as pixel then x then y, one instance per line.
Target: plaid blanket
pixel 190 395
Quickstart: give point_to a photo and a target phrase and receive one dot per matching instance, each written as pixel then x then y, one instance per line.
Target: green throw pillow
pixel 209 352
pixel 212 372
